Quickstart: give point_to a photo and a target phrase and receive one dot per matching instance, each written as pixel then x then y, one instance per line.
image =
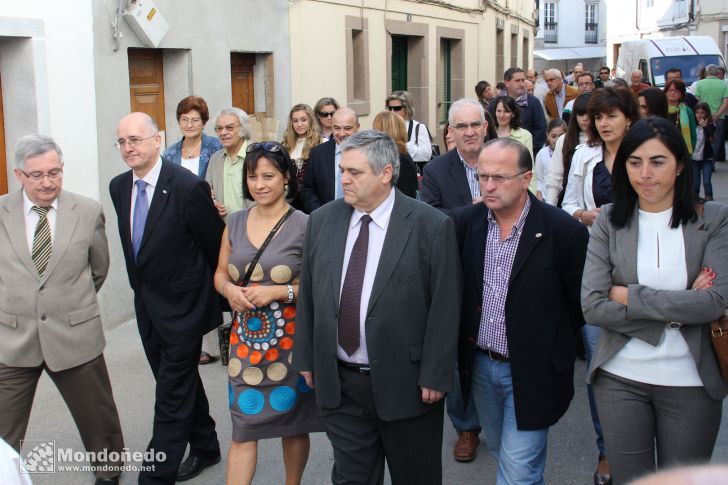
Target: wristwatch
pixel 290 294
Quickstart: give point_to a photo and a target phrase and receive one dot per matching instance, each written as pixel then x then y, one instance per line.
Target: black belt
pixel 494 355
pixel 360 368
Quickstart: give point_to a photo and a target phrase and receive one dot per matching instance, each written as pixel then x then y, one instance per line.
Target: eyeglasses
pixel 230 128
pixel 54 174
pixel 132 141
pixel 268 146
pixel 326 114
pixel 497 179
pixel 464 126
pixel 189 121
pixel 395 108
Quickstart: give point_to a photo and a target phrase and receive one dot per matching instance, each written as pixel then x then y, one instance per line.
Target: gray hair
pixel 616 82
pixel 406 99
pixel 711 70
pixel 554 72
pixel 31 146
pixel 461 103
pixel 524 156
pixel 242 117
pixel 379 149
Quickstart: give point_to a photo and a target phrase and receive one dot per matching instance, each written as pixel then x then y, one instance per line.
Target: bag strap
pixel 417 134
pixel 428 132
pixel 251 267
pixel 409 129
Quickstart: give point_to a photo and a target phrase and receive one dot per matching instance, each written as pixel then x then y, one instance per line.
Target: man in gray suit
pixel 377 320
pixel 53 259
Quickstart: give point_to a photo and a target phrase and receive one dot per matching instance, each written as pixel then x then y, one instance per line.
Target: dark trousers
pixel 362 441
pixel 181 410
pixel 641 422
pixel 87 391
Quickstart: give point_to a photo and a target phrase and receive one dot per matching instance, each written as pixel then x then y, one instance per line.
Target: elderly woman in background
pixel 195 148
pixel 393 125
pixel 656 275
pixel 325 109
pixel 419 141
pixel 299 138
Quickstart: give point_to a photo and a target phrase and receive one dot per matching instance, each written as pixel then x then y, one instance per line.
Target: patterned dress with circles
pixel 267 398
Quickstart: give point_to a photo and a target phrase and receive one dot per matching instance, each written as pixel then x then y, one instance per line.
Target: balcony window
pixel 550 34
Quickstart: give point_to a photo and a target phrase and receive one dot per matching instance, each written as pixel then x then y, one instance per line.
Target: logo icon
pixel 37 456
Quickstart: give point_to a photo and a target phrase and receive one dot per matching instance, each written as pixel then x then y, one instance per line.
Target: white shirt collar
pixel 380 216
pixel 152 177
pixel 28 204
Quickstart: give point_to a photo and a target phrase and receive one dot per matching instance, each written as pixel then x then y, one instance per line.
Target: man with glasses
pixel 54 257
pixel 322 180
pixel 559 94
pixel 586 84
pixel 170 234
pixel 225 170
pixel 603 77
pixel 522 263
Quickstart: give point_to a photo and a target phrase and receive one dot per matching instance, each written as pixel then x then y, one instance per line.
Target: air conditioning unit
pixel 146 21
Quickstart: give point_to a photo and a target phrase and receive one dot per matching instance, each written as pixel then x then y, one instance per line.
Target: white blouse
pixel 192 164
pixel 661 266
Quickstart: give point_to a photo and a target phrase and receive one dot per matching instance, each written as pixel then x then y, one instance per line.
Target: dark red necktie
pixel 350 302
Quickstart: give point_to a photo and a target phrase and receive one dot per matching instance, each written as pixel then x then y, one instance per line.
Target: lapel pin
pixel 164 191
pixel 538 234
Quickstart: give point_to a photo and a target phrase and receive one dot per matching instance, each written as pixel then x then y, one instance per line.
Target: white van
pixel 655 56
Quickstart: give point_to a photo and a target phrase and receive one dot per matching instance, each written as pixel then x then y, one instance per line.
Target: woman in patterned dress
pixel 267 398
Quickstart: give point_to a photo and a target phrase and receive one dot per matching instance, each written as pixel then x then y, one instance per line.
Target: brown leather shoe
pixel 603 475
pixel 466 447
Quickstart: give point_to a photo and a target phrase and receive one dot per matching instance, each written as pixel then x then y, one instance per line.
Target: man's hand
pixel 220 208
pixel 429 396
pixel 308 376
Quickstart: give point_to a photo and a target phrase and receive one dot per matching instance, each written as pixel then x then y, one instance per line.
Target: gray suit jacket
pixel 413 314
pixel 612 260
pixel 55 318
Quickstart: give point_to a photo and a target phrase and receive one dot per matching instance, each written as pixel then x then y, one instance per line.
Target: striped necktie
pixel 41 240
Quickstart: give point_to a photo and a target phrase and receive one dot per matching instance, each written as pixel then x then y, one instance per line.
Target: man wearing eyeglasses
pixel 54 257
pixel 170 232
pixel 559 94
pixel 522 263
pixel 225 170
pixel 322 180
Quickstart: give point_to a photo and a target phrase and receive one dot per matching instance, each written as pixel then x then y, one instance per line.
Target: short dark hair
pixel 193 103
pixel 508 75
pixel 500 85
pixel 625 197
pixel 605 68
pixel 480 88
pixel 510 105
pixel 525 162
pixel 655 100
pixel 679 85
pixel 280 160
pixel 673 69
pixel 585 74
pixel 606 100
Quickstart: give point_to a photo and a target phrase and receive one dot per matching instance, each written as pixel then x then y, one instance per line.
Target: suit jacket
pixel 55 318
pixel 444 183
pixel 542 310
pixel 411 325
pixel 550 100
pixel 172 276
pixel 318 182
pixel 612 260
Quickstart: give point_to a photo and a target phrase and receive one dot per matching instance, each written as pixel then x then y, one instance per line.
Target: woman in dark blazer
pixel 655 276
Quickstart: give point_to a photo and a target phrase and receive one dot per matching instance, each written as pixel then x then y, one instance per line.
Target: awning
pixel 561 53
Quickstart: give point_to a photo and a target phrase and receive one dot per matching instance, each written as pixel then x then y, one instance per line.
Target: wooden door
pixel 3 160
pixel 399 63
pixel 242 81
pixel 146 83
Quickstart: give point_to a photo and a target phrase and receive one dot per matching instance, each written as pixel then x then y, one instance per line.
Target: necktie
pixel 141 209
pixel 41 240
pixel 350 302
pixel 339 187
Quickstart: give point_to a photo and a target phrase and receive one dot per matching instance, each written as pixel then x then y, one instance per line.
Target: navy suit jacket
pixel 444 183
pixel 542 310
pixel 172 276
pixel 318 181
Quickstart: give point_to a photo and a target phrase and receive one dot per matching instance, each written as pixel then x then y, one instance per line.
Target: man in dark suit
pixel 376 328
pixel 449 182
pixel 322 180
pixel 170 232
pixel 522 261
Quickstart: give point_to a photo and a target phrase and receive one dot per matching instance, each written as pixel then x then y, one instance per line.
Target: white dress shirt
pixel 377 230
pixel 31 219
pixel 151 178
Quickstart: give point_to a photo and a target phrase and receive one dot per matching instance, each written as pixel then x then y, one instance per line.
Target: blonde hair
pixel 394 126
pixel 312 136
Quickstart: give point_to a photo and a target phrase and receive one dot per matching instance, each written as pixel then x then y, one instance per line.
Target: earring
pixel 678 173
pixel 285 187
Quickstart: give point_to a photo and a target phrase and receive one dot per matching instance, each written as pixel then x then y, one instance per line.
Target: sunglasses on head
pixel 326 114
pixel 395 108
pixel 268 146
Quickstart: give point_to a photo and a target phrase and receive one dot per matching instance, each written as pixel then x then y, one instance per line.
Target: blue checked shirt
pixel 471 176
pixel 499 256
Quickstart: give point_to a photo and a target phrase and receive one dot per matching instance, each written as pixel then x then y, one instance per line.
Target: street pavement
pixel 572 454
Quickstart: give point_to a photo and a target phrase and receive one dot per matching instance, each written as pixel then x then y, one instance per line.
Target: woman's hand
pixel 237 299
pixel 261 296
pixel 619 294
pixel 704 280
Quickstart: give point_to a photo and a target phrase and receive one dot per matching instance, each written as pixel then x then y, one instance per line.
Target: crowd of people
pixel 557 222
